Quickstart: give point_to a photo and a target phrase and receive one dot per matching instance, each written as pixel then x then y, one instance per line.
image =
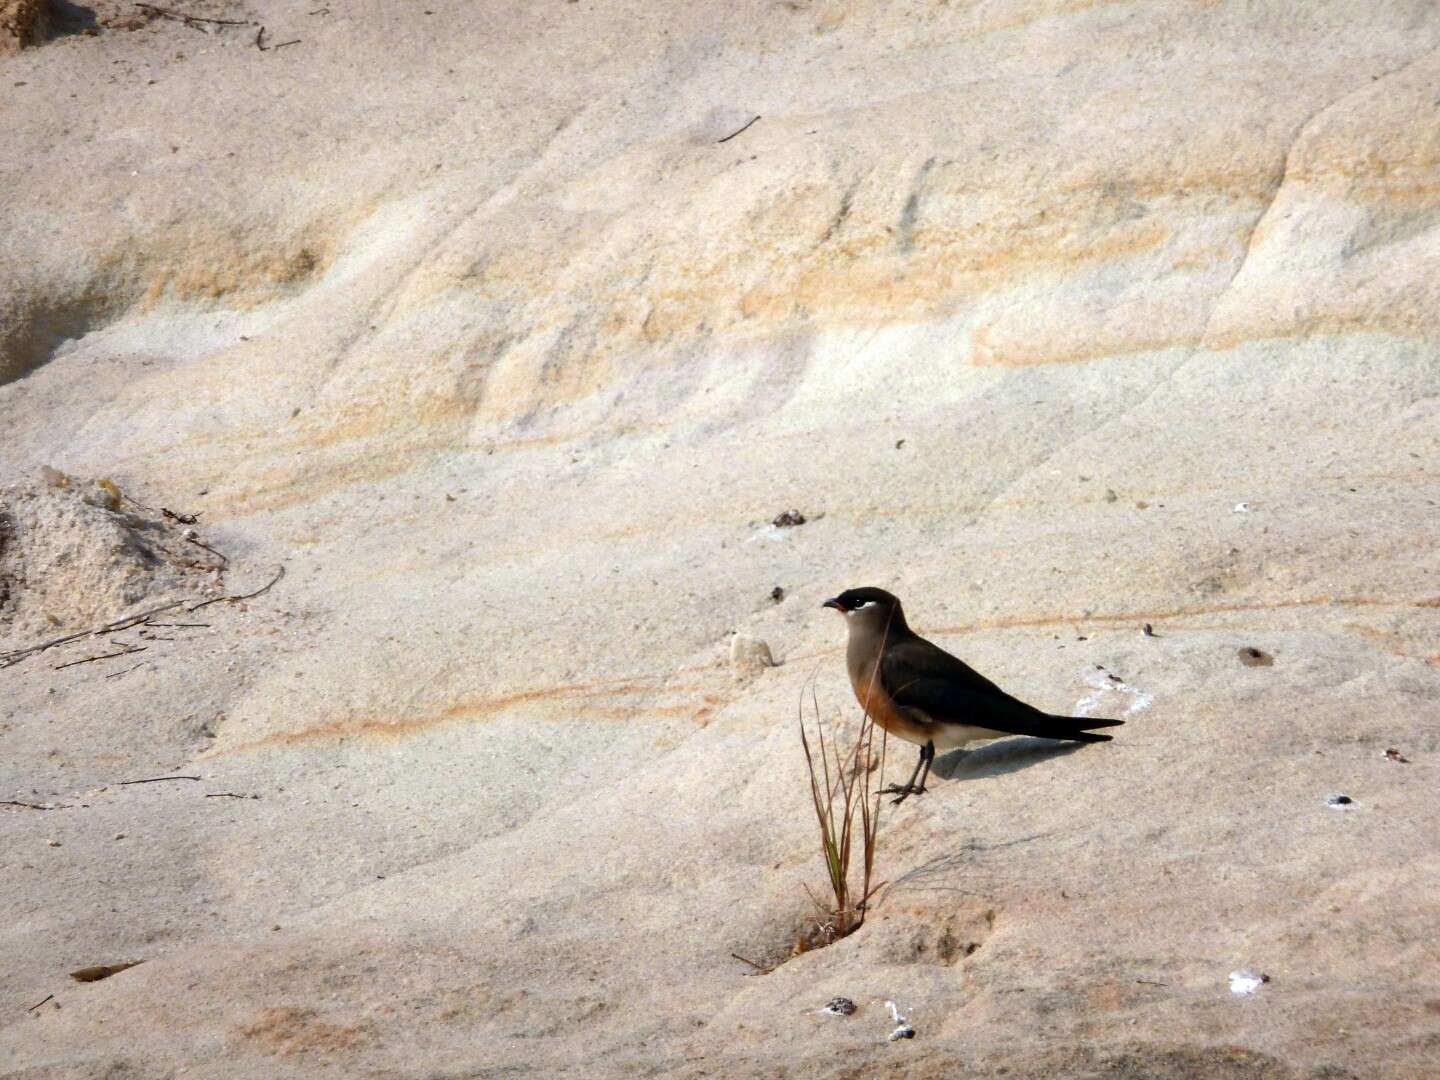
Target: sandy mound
pixel 77 553
pixel 21 22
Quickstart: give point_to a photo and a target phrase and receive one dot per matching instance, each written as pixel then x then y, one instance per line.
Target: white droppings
pixel 770 532
pixel 1246 982
pixel 1107 686
pixel 903 1030
pixel 1241 508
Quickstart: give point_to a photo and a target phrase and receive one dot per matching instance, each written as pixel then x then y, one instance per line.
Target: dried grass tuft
pixel 838 790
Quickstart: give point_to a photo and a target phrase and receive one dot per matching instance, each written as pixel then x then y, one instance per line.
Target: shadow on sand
pixel 999 757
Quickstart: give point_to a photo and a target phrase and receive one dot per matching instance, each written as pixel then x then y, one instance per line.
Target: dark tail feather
pixel 1077 728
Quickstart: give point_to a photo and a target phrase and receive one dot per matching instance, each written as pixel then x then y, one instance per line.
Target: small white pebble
pixel 53 843
pixel 1241 508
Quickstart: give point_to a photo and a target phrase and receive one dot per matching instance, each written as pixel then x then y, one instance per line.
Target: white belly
pixel 950 736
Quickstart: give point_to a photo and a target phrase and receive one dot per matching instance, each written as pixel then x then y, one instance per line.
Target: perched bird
pixel 922 694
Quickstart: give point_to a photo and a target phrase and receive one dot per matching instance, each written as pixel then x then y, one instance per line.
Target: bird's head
pixel 868 607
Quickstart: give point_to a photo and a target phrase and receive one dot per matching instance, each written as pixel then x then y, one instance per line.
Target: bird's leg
pixel 927 755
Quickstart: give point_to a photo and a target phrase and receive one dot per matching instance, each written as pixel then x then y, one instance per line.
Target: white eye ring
pixel 866 604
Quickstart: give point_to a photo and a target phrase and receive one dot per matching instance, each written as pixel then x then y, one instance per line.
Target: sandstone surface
pixel 1058 318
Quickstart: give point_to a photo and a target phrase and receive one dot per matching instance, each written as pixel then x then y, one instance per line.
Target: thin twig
pixel 183 17
pixel 260 39
pixel 206 624
pixel 102 656
pixel 742 131
pixel 48 997
pixel 14 657
pixel 126 671
pixel 34 806
pixel 292 41
pixel 244 596
pixel 224 561
pixel 229 795
pixel 157 779
pixel 763 970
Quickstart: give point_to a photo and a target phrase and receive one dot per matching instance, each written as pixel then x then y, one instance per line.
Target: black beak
pixel 835 603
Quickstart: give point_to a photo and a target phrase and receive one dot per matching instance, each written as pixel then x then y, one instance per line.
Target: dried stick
pixel 244 596
pixel 224 561
pixel 752 963
pixel 102 656
pixel 183 17
pixel 732 135
pixel 156 780
pixel 6 659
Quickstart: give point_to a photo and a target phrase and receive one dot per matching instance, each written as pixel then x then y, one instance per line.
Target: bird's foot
pixel 901 792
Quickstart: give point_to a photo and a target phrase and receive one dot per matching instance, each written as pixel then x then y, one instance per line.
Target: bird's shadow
pixel 999 757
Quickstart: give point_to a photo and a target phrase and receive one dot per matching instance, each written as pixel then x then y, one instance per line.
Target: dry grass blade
pixel 839 798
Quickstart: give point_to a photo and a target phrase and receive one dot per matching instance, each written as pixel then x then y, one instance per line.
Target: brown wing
pixel 921 676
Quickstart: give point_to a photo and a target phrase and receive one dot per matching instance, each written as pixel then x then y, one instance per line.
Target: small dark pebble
pixel 788 519
pixel 899 443
pixel 1148 630
pixel 1394 755
pixel 839 1006
pixel 1339 800
pixel 1253 657
pixel 777 593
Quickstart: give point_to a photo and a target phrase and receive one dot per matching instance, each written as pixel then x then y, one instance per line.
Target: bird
pixel 917 691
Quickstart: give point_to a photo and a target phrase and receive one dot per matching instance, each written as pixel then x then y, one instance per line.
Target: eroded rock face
pixel 508 332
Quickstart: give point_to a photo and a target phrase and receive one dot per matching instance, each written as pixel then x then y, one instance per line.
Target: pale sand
pixel 1108 269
